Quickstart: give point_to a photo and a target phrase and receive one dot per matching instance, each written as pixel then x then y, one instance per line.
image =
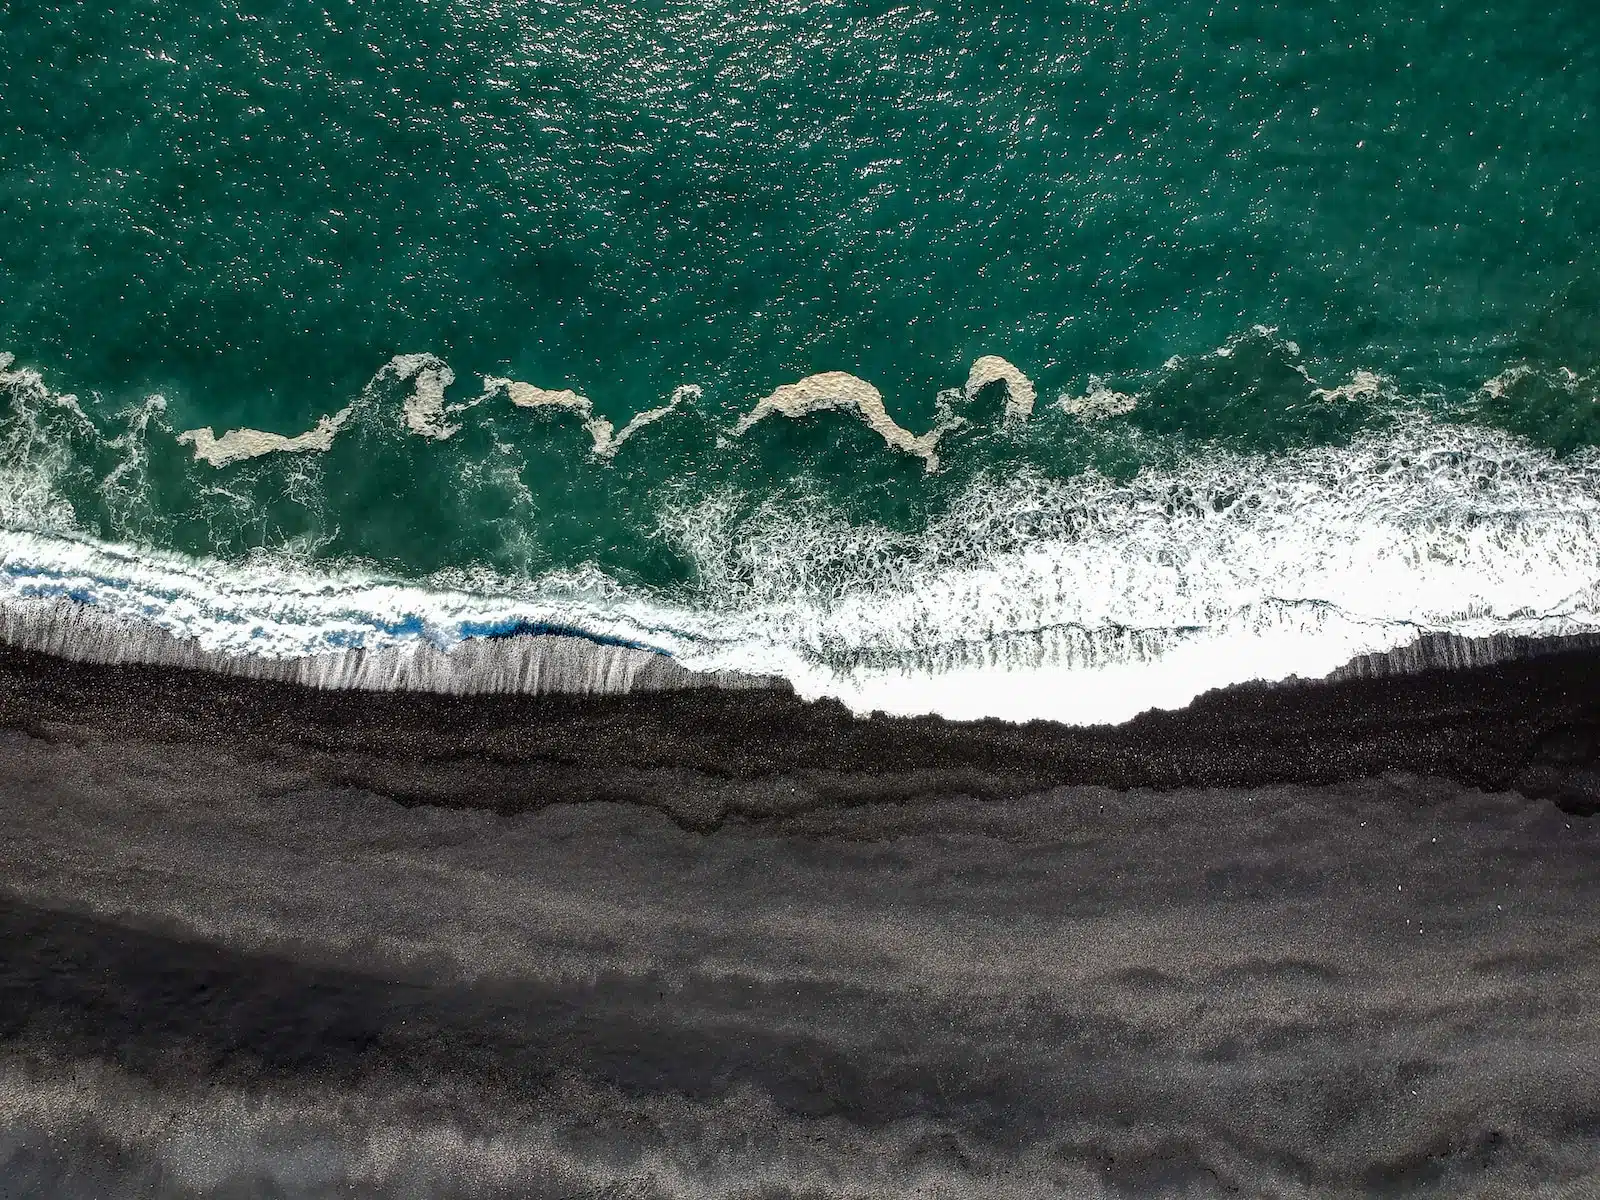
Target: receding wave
pixel 524 660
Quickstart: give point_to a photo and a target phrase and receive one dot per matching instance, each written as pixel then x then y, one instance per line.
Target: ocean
pixel 1055 360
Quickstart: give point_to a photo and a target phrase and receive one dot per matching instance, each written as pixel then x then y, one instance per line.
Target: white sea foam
pixel 34 452
pixel 1098 402
pixel 1020 393
pixel 841 390
pixel 1089 599
pixel 424 408
pixel 607 439
pixel 1564 378
pixel 424 413
pixel 1362 385
pixel 238 444
pixel 1083 599
pixel 831 390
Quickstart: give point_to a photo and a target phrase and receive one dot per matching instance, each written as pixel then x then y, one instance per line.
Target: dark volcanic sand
pixel 1320 941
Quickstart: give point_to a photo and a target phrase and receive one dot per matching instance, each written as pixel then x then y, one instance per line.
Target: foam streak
pixel 841 390
pixel 532 664
pixel 607 439
pixel 238 444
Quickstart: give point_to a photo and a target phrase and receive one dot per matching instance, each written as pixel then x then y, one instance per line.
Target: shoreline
pixel 701 754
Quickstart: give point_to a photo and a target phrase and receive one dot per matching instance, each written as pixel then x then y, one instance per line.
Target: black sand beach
pixel 1321 940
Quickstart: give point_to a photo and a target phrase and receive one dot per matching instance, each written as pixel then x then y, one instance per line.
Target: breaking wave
pixel 1092 599
pixel 1086 599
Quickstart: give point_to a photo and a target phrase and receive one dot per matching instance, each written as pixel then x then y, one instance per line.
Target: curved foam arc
pixel 1020 393
pixel 1100 401
pixel 830 390
pixel 681 393
pixel 424 408
pixel 424 412
pixel 525 395
pixel 427 415
pixel 607 439
pixel 841 390
pixel 1562 377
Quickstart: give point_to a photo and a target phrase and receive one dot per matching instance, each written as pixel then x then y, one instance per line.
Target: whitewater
pixel 1085 599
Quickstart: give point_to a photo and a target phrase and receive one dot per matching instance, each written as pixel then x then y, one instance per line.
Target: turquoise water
pixel 234 216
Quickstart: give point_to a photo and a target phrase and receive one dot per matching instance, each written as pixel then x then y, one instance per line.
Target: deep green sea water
pixel 1312 246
